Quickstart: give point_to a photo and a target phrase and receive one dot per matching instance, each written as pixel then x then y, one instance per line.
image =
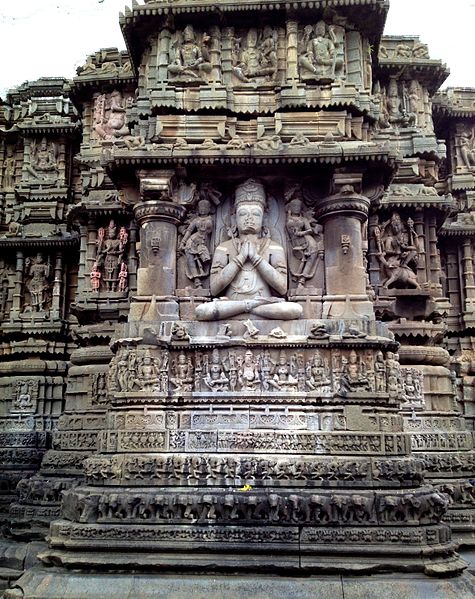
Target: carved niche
pixel 42 162
pixel 109 271
pixel 38 284
pixel 322 53
pixel 25 396
pixel 465 147
pixel 255 55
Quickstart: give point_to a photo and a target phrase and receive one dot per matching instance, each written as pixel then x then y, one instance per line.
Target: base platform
pixel 52 583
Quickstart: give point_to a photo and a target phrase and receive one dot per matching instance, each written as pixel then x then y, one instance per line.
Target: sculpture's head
pixel 111 230
pixel 204 207
pixel 189 34
pixel 249 205
pixel 252 38
pixel 320 29
pixel 295 207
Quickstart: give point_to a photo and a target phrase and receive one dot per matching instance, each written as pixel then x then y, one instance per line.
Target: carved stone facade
pixel 237 299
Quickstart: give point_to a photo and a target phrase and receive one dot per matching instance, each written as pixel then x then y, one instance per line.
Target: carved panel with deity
pixel 256 54
pixel 322 53
pixel 109 271
pixel 42 164
pixel 38 276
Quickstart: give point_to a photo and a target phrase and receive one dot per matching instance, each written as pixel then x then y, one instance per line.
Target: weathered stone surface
pixel 237 305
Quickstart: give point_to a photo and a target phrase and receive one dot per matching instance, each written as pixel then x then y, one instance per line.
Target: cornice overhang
pixel 40 242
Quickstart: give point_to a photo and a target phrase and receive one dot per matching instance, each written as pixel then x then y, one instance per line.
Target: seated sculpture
pixel 251 268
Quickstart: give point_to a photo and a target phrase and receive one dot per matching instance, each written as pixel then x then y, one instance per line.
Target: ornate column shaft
pixel 468 274
pixel 83 274
pixel 342 215
pixel 58 269
pixel 158 220
pixel 18 292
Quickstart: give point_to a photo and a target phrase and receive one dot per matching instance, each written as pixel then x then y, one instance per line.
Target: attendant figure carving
pixel 398 253
pixel 95 276
pixel 250 267
pixel 215 377
pixel 304 233
pixel 354 376
pixel 465 148
pixel 189 60
pixel 110 121
pixel 284 378
pixel 38 284
pixel 110 251
pixel 317 375
pixel 248 374
pixel 182 373
pixel 196 244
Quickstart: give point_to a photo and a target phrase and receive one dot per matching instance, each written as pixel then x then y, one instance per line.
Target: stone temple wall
pixel 237 303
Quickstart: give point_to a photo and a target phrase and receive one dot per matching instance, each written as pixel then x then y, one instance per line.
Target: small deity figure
pixel 196 245
pixel 4 291
pixel 397 114
pixel 248 373
pixel 258 59
pixel 148 372
pixel 113 125
pixel 283 378
pixel 465 146
pixel 123 276
pixel 43 164
pixel 9 172
pixel 412 389
pixel 353 377
pixel 190 60
pixel 38 285
pixel 319 55
pixel 317 378
pixel 380 373
pixel 249 267
pixel 415 104
pixel 95 277
pixel 393 375
pixel 398 253
pixel 110 252
pixel 182 373
pixel 304 232
pixel 24 401
pixel 215 377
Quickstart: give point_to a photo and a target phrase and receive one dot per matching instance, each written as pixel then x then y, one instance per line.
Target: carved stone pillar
pixel 18 292
pixel 342 215
pixel 421 234
pixel 292 51
pixel 158 220
pixel 468 275
pixel 56 300
pixel 83 273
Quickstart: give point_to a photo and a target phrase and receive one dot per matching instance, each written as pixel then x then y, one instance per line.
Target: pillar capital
pixel 159 210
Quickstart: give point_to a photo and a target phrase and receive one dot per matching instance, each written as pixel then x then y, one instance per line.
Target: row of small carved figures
pixel 424 507
pixel 220 468
pixel 131 371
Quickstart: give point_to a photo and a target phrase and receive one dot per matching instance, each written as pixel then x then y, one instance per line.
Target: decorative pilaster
pixel 342 215
pixel 158 220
